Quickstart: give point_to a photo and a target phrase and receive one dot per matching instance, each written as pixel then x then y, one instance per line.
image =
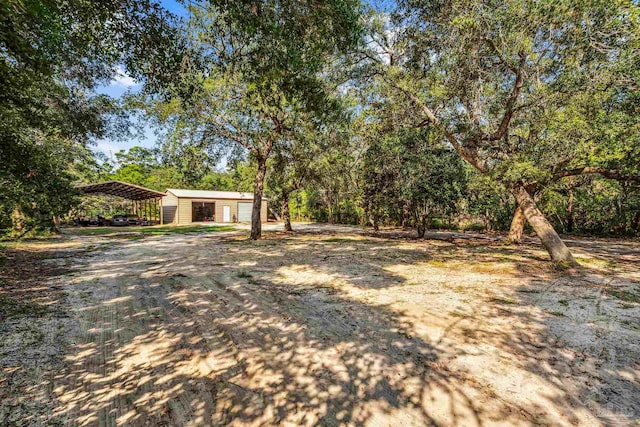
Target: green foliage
pixel 488 200
pixel 53 54
pixel 256 67
pixel 141 232
pixel 530 94
pixel 598 206
pixel 258 72
pixel 526 92
pixel 406 169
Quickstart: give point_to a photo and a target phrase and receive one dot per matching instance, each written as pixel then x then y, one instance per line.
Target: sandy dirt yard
pixel 325 326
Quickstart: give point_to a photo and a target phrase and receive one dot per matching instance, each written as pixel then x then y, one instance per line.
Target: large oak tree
pixel 481 72
pixel 254 68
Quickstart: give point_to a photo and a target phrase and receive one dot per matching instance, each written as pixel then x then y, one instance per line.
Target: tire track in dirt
pixel 190 331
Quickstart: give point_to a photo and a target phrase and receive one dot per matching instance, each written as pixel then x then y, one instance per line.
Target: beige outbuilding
pixel 188 206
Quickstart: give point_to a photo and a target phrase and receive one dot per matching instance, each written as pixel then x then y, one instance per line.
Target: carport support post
pixel 161 217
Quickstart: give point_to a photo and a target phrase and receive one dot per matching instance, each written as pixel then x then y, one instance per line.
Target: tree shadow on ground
pixel 364 260
pixel 296 330
pixel 218 353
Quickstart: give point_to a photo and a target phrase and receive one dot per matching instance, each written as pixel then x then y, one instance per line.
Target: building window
pixel 201 211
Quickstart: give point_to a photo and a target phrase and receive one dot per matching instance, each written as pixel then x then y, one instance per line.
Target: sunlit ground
pixel 327 326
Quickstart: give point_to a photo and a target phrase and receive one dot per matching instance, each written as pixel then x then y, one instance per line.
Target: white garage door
pixel 244 211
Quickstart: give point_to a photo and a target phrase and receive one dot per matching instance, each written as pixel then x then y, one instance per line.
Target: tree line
pixel 437 113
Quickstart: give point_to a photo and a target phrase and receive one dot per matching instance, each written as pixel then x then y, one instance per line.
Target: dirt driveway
pixel 321 327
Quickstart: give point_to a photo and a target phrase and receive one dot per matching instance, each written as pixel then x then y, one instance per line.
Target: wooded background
pixel 458 114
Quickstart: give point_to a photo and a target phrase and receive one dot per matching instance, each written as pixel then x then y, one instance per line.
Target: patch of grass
pixel 555 313
pixel 631 324
pixel 503 300
pixel 458 314
pixel 471 226
pixel 13 309
pixel 130 231
pixel 563 302
pixel 497 266
pixel 625 305
pixel 132 236
pixel 33 235
pixel 529 291
pixel 564 266
pixel 244 275
pixel 338 239
pixel 588 261
pixel 624 295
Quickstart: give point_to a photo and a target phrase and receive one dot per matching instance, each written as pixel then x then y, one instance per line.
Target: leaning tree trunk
pixel 517 226
pixel 256 224
pixel 286 215
pixel 558 251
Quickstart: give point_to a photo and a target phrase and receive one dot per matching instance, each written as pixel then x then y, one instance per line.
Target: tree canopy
pixel 500 80
pixel 53 56
pixel 256 69
pixel 452 113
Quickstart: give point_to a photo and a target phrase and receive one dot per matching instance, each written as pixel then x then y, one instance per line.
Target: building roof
pixel 207 194
pixel 120 189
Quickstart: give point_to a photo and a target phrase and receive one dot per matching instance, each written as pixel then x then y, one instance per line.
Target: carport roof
pixel 120 189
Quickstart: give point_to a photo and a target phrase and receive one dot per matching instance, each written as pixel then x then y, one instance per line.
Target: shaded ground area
pixel 327 326
pixel 142 231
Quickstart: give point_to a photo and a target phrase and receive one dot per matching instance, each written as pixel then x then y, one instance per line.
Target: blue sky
pixel 122 84
pixel 118 87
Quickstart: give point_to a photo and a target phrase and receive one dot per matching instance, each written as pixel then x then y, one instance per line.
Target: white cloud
pixel 108 148
pixel 122 78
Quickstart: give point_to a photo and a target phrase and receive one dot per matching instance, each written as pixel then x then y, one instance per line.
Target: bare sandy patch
pixel 337 328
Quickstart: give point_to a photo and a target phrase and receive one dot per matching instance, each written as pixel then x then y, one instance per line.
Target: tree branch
pixel 511 102
pixel 590 170
pixel 470 154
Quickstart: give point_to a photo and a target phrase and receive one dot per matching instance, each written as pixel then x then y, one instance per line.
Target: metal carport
pixel 142 199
